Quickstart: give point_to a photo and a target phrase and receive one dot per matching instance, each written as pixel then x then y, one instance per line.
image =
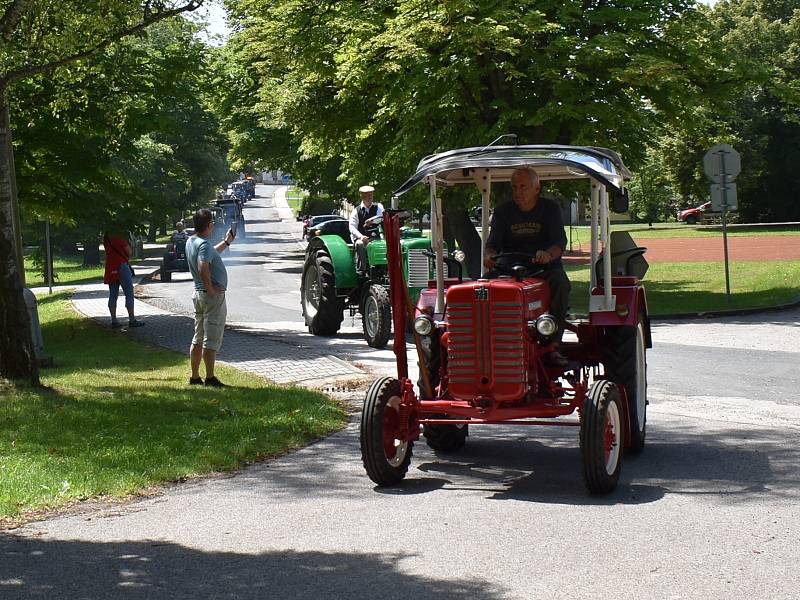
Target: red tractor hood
pixel 487 325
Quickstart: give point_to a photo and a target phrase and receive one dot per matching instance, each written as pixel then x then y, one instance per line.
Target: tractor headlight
pixel 459 256
pixel 423 325
pixel 546 325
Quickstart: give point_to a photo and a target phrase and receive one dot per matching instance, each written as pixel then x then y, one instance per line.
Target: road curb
pixel 733 312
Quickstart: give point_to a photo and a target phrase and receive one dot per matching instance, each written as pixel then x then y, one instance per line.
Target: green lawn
pixel 117 416
pixel 639 231
pixel 68 270
pixel 699 287
pixel 294 197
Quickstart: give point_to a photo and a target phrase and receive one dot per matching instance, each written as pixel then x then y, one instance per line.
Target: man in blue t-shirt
pixel 210 283
pixel 533 225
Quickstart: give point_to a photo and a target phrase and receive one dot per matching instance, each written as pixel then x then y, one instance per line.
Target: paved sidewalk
pixel 282 206
pixel 281 359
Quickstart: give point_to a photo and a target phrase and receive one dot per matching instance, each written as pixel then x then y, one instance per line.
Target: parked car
pixel 692 216
pixel 316 220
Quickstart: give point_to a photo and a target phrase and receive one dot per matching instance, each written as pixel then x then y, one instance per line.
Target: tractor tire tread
pixel 592 437
pixel 620 362
pixel 371 434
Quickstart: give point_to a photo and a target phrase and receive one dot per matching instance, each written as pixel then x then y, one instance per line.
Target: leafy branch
pixel 154 12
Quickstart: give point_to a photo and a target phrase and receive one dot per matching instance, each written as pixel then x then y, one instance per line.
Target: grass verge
pixel 582 234
pixel 117 417
pixel 68 270
pixel 294 198
pixel 674 288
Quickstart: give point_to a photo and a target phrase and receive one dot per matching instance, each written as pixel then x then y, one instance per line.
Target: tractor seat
pixel 627 259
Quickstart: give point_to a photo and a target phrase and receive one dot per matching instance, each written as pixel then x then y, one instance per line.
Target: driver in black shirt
pixel 533 225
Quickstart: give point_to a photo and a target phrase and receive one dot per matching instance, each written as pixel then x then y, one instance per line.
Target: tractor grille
pixel 487 349
pixel 419 270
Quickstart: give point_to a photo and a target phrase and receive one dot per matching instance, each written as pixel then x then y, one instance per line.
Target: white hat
pixel 365 189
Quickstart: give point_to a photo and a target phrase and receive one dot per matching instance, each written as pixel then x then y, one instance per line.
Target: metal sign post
pixel 722 164
pixel 49 255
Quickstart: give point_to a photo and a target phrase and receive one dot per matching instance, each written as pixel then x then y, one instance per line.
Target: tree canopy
pixel 128 134
pixel 37 38
pixel 368 88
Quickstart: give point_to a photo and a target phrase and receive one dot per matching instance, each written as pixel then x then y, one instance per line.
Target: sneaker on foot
pixel 214 382
pixel 115 324
pixel 135 323
pixel 195 381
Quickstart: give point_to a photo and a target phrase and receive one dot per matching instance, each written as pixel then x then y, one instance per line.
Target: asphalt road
pixel 263 267
pixel 710 509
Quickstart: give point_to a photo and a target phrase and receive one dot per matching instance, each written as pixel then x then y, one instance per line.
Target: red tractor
pixel 483 345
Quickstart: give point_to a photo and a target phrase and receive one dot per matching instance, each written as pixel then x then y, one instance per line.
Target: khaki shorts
pixel 209 319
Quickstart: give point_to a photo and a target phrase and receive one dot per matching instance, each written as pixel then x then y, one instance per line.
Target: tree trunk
pixel 17 357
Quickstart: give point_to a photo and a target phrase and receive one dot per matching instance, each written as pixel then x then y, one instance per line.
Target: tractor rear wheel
pixel 445 438
pixel 440 438
pixel 322 309
pixel 626 364
pixel 602 437
pixel 385 456
pixel 376 316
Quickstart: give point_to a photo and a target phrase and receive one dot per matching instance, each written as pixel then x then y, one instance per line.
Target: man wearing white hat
pixel 366 210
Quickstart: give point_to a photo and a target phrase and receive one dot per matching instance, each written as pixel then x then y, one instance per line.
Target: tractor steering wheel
pixel 506 261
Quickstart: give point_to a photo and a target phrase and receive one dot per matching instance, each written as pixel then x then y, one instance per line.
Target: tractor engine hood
pixel 488 342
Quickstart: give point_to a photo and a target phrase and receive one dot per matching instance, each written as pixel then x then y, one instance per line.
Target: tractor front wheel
pixel 385 456
pixel 322 309
pixel 376 316
pixel 602 437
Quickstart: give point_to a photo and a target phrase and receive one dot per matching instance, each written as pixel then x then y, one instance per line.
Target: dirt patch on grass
pixel 708 249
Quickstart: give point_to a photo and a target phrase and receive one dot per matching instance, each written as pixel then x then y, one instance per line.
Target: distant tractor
pixel 484 345
pixel 331 285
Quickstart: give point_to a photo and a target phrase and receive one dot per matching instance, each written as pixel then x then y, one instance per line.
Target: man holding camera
pixel 210 283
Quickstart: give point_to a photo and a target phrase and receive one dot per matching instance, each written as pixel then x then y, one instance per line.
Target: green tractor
pixel 331 284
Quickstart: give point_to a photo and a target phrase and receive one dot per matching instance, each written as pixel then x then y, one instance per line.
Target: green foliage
pixel 651 196
pixel 319 205
pixel 757 114
pixel 350 92
pixel 121 140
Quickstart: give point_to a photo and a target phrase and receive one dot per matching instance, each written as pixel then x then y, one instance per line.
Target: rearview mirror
pixel 619 200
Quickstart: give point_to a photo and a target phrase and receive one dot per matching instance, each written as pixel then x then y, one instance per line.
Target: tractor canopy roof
pixel 457 167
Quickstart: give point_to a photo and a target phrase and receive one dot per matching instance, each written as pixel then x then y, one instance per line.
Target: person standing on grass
pixel 118 273
pixel 210 283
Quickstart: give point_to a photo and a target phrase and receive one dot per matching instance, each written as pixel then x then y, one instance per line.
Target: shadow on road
pixel 543 465
pixel 154 570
